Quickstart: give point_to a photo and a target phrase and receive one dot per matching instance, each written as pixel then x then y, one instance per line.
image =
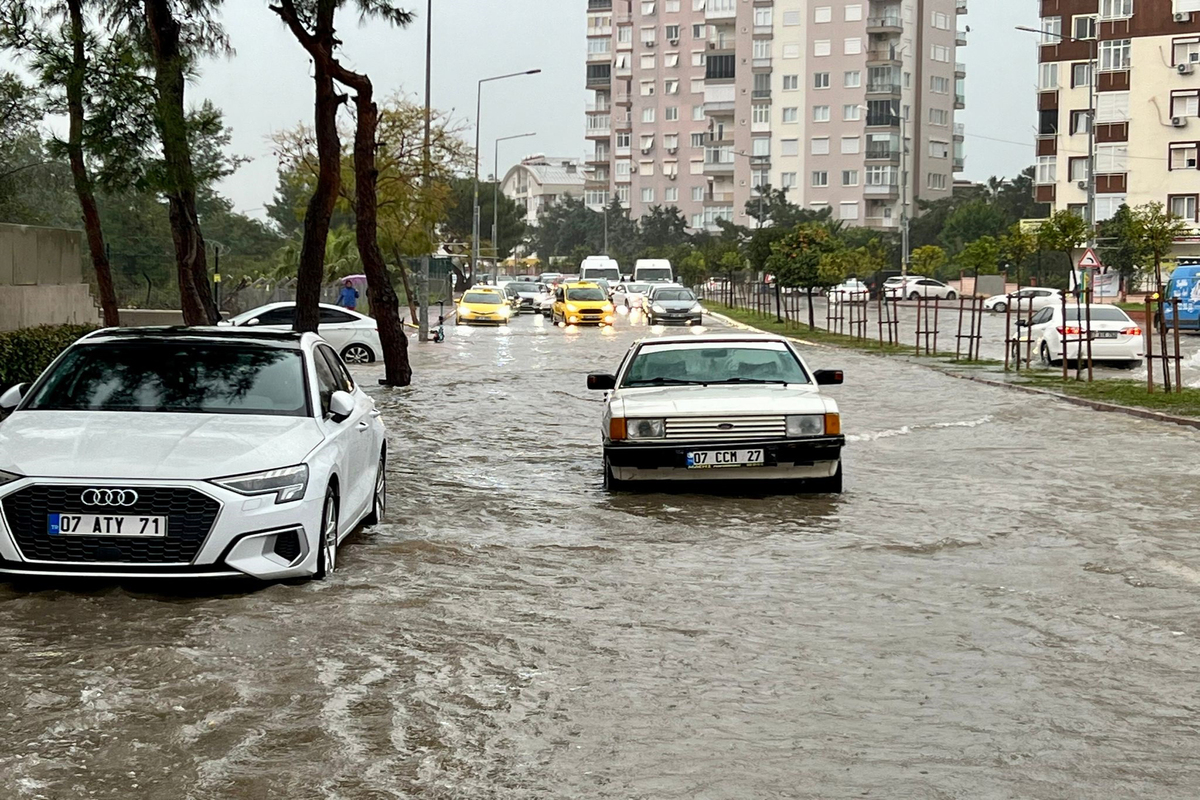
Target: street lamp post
pixel 1091 112
pixel 426 169
pixel 496 194
pixel 475 205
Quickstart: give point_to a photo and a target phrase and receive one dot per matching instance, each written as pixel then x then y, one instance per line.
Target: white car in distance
pixel 631 295
pixel 353 335
pixel 916 288
pixel 188 453
pixel 1114 336
pixel 719 407
pixel 1024 300
pixel 851 290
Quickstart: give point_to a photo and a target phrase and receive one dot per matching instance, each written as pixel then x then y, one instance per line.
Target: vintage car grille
pixel 190 517
pixel 718 429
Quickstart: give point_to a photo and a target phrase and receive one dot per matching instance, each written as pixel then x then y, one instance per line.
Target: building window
pixel 698 113
pixel 1183 206
pixel 648 8
pixel 936 180
pixel 823 14
pixel 672 32
pixel 1084 26
pixel 671 6
pixel 851 112
pixel 1116 9
pixel 820 146
pixel 854 13
pixel 791 51
pixel 1081 121
pixel 648 115
pixel 939 85
pixel 671 86
pixel 849 177
pixel 697 140
pixel 1115 55
pixel 671 141
pixel 671 114
pixel 852 79
pixel 624 140
pixel 791 18
pixel 1077 169
pixel 1112 106
pixel 648 194
pixel 595 197
pixel 1051 30
pixel 763 17
pixel 941 20
pixel 791 83
pixel 939 149
pixel 787 179
pixel 762 47
pixel 760 114
pixel 851 145
pixel 1047 171
pixel 820 179
pixel 791 147
pixel 882 176
pixel 849 210
pixel 646 61
pixel 697 194
pixel 647 88
pixel 759 178
pixel 760 146
pixel 671 194
pixel 820 113
pixel 720 67
pixel 1107 205
pixel 939 116
pixel 671 60
pixel 822 47
pixel 624 168
pixel 1183 156
pixel 1081 75
pixel 820 80
pixel 1048 76
pixel 625 34
pixel 791 115
pixel 649 36
pixel 697 58
pixel 698 31
pixel 940 53
pixel 1185 104
pixel 1187 51
pixel 852 46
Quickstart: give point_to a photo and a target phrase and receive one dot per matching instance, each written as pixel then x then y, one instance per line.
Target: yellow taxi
pixel 483 305
pixel 582 303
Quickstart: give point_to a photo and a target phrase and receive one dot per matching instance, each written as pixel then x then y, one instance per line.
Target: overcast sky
pixel 267 87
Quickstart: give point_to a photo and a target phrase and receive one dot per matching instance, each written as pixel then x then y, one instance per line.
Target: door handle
pixel 362 426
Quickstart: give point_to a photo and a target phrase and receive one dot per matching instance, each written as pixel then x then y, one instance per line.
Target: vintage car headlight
pixel 286 484
pixel 806 425
pixel 645 428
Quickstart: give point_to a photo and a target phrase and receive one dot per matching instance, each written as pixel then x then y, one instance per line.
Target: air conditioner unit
pixel 672 150
pixel 1179 122
pixel 671 176
pixel 1183 16
pixel 1082 185
pixel 650 43
pixel 674 42
pixel 1186 68
pixel 646 150
pixel 712 45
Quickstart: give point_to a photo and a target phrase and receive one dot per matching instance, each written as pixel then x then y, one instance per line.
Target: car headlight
pixel 572 307
pixel 697 309
pixel 464 312
pixel 806 425
pixel 608 307
pixel 658 309
pixel 286 484
pixel 9 477
pixel 505 311
pixel 645 428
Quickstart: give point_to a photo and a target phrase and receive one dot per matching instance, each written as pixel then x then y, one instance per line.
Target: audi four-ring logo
pixel 109 497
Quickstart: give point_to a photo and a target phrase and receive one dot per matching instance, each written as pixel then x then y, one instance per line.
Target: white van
pixel 600 268
pixel 653 270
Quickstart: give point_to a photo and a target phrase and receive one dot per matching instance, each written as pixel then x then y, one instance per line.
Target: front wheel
pixel 999 308
pixel 951 296
pixel 914 296
pixel 328 542
pixel 611 484
pixel 831 485
pixel 358 354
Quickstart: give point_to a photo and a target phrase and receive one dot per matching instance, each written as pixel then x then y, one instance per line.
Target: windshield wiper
pixel 746 380
pixel 663 382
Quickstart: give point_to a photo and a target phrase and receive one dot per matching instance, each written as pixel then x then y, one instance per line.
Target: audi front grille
pixel 190 517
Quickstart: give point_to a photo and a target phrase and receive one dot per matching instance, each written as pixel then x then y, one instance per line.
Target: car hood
pixel 113 444
pixel 733 401
pixel 676 305
pixel 482 308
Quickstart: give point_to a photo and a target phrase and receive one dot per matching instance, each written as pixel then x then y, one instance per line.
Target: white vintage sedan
pixel 720 407
pixel 188 453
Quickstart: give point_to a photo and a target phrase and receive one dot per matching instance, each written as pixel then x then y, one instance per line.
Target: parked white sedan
pixel 914 288
pixel 1114 336
pixel 355 336
pixel 852 289
pixel 719 407
pixel 1024 300
pixel 201 453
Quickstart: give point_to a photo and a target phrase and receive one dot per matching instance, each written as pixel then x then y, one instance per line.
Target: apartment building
pixel 697 103
pixel 540 181
pixel 1143 57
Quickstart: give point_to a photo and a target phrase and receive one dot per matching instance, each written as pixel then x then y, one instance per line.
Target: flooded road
pixel 1002 605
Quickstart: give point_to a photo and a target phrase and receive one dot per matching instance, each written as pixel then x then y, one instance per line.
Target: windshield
pixel 608 273
pixel 654 274
pixel 486 298
pixel 176 377
pixel 637 288
pixel 674 294
pixel 586 294
pixel 1098 314
pixel 734 363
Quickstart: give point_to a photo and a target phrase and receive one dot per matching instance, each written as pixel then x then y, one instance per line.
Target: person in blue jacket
pixel 348 297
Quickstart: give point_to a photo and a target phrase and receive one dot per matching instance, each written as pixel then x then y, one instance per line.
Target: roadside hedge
pixel 26 352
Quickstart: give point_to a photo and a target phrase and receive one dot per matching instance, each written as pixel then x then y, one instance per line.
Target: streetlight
pixel 426 168
pixel 1091 112
pixel 475 205
pixel 496 194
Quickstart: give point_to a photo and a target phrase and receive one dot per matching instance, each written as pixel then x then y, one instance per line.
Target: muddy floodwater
pixel 1003 604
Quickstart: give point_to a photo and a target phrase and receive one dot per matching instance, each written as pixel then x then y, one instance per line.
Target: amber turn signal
pixel 616 428
pixel 833 424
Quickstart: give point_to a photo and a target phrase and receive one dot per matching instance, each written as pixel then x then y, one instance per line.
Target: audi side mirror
pixel 341 406
pixel 600 382
pixel 828 377
pixel 13 397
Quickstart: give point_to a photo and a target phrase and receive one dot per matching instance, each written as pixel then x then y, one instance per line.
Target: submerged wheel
pixel 327 546
pixel 951 296
pixel 1044 355
pixel 914 296
pixel 358 354
pixel 611 484
pixel 379 499
pixel 830 485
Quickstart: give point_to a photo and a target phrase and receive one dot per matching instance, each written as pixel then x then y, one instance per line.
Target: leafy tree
pixel 799 261
pixel 1124 250
pixel 758 248
pixel 1016 246
pixel 1157 229
pixel 662 228
pixel 567 226
pixel 692 269
pixel 458 219
pixel 970 222
pixel 777 210
pixel 1063 232
pixel 980 257
pixel 927 260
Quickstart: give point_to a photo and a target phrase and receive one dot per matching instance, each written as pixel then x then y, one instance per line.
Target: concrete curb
pixel 1095 405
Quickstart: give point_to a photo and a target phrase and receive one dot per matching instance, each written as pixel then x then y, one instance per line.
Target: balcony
pixel 761 94
pixel 885 25
pixel 764 30
pixel 960 39
pixel 599 5
pixel 882 222
pixel 960 131
pixel 712 13
pixel 883 120
pixel 883 87
pixel 600 57
pixel 599 131
pixel 960 6
pixel 960 101
pixel 599 157
pixel 960 69
pixel 718 197
pixel 623 123
pixel 623 19
pixel 599 80
pixel 761 63
pixel 719 99
pixel 959 164
pixel 598 108
pixel 718 167
pixel 602 31
pixel 880 190
pixel 883 56
pixel 624 99
pixel 890 155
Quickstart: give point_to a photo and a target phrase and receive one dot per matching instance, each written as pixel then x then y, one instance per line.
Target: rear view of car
pixel 1113 335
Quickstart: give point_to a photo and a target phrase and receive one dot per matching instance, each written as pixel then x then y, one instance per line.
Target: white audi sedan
pixel 720 407
pixel 188 452
pixel 353 335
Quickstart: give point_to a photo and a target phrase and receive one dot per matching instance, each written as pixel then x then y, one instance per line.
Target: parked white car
pixel 197 453
pixel 914 288
pixel 355 336
pixel 719 407
pixel 852 289
pixel 1114 336
pixel 1023 299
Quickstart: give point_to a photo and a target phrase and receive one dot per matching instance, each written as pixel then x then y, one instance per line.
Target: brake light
pixel 1132 332
pixel 616 428
pixel 1070 331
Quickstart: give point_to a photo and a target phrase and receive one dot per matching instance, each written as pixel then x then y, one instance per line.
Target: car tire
pixel 914 296
pixel 831 485
pixel 611 484
pixel 379 498
pixel 1000 308
pixel 1044 355
pixel 951 296
pixel 357 354
pixel 328 539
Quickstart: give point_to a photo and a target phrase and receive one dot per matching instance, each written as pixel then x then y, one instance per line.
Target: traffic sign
pixel 1090 260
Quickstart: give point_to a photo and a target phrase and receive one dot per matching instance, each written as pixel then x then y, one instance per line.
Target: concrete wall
pixel 41 278
pixel 27 306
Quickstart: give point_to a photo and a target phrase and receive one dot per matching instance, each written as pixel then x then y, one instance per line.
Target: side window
pixel 1042 316
pixel 558 295
pixel 278 316
pixel 341 375
pixel 326 383
pixel 330 316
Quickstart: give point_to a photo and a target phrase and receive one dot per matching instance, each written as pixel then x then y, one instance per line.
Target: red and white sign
pixel 1090 260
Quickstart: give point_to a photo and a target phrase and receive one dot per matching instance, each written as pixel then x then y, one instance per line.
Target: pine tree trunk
pixel 191 258
pixel 310 274
pixel 83 181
